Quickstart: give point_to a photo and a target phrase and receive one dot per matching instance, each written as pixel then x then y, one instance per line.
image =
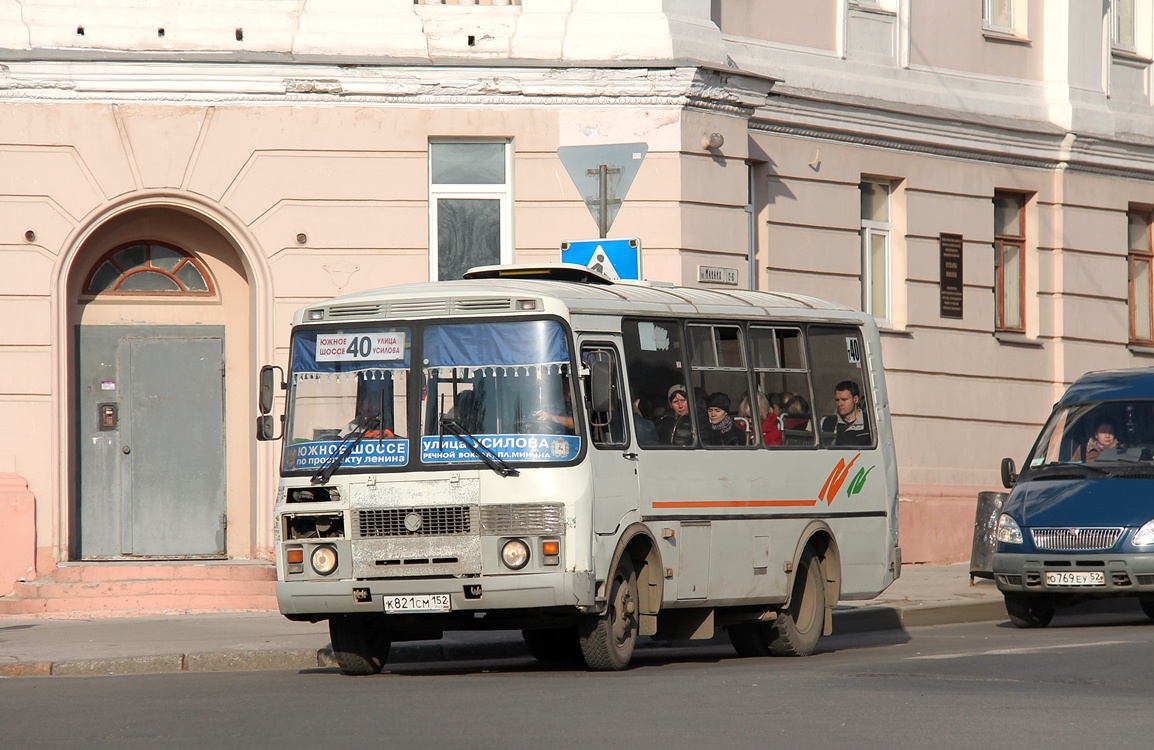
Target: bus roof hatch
pixel 544 271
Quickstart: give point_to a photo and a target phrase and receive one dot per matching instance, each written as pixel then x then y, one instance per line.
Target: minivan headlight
pixel 1144 536
pixel 1008 530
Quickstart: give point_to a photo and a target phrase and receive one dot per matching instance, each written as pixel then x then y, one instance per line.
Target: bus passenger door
pixel 614 464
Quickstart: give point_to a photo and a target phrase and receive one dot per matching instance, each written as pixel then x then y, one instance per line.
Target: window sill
pixel 1013 338
pixel 1129 57
pixel 1141 348
pixel 867 7
pixel 1006 37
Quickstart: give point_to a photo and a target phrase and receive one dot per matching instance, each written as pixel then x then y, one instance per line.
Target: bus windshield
pixel 506 386
pixel 482 392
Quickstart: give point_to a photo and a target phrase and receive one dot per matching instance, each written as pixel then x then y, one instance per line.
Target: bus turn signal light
pixel 551 552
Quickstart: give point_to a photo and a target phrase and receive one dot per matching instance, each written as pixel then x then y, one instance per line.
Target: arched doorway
pixel 161 323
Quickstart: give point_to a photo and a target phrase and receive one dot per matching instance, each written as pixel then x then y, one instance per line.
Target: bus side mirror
pixel 269 380
pixel 601 385
pixel 266 428
pixel 1008 474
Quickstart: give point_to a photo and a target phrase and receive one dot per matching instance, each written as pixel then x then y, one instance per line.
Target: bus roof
pixel 496 289
pixel 1111 385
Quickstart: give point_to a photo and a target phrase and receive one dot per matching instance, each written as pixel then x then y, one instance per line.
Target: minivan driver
pixel 1103 439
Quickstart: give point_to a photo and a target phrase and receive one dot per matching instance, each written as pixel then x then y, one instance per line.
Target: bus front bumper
pixel 484 594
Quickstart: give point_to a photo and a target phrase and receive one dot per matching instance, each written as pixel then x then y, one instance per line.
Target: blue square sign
pixel 617 259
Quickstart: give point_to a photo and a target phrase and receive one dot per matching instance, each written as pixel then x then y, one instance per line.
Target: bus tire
pixel 798 627
pixel 1029 611
pixel 608 640
pixel 750 639
pixel 554 645
pixel 360 643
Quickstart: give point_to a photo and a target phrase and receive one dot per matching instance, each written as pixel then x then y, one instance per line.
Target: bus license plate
pixel 417 603
pixel 1081 578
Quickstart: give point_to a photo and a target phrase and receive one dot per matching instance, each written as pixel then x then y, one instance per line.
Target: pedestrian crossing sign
pixel 617 259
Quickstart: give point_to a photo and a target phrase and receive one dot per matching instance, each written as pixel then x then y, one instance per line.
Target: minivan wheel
pixel 1147 604
pixel 1029 610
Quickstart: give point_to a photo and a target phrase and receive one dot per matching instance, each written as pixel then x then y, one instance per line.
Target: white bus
pixel 545 449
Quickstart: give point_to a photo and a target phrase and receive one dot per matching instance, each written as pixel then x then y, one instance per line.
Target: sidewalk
pixel 924 595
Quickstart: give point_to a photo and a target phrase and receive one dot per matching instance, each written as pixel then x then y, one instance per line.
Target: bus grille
pixel 429 521
pixel 1072 539
pixel 523 520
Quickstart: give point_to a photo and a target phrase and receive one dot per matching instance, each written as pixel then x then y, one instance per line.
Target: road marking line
pixel 1014 651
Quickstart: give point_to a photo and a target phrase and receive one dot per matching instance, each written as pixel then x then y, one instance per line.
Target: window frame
pixel 1117 44
pixel 502 192
pixel 1135 256
pixel 871 228
pixel 989 11
pixel 1002 242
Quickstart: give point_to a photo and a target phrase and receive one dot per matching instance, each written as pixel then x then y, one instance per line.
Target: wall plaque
pixel 950 249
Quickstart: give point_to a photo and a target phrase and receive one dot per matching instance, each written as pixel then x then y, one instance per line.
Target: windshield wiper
pixel 491 459
pixel 1067 468
pixel 344 449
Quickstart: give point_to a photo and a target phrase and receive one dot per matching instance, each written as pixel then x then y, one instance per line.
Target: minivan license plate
pixel 418 603
pixel 1080 578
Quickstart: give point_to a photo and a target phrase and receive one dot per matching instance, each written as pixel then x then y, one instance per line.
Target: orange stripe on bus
pixel 737 504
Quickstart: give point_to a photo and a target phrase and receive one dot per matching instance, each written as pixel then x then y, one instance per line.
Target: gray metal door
pixel 151 448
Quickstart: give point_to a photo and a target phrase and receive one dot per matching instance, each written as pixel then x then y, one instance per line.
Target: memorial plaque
pixel 950 248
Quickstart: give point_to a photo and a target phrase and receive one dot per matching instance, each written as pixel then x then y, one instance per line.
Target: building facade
pixel 176 180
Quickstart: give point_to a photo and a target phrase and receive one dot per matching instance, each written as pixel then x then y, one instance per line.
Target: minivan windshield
pixel 1099 436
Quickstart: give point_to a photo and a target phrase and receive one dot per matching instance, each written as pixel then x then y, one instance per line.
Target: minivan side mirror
pixel 1009 475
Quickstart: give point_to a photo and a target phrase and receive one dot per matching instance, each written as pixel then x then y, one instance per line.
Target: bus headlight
pixel 1008 530
pixel 324 559
pixel 1144 536
pixel 515 554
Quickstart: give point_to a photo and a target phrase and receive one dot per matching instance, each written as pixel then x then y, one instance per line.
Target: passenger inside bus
pixel 767 412
pixel 676 427
pixel 644 428
pixel 722 430
pixel 850 426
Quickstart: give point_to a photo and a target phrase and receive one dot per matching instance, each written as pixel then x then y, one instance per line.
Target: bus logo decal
pixel 836 479
pixel 858 482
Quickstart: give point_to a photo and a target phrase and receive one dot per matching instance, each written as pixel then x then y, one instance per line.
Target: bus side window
pixel 780 376
pixel 603 394
pixel 655 361
pixel 837 357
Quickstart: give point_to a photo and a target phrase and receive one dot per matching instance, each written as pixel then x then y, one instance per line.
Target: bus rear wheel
pixel 798 627
pixel 360 643
pixel 608 640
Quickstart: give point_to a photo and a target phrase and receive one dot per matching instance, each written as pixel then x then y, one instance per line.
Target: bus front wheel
pixel 798 627
pixel 608 640
pixel 360 643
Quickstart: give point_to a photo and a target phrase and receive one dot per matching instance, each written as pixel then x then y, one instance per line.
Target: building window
pixel 1009 260
pixel 875 248
pixel 469 206
pixel 1122 25
pixel 1140 257
pixel 998 15
pixel 146 267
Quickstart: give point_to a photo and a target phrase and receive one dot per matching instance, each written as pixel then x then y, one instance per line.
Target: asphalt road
pixel 1083 683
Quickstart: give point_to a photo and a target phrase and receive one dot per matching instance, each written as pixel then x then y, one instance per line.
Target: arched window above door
pixel 146 267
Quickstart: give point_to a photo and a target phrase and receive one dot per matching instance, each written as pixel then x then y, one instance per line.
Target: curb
pixel 848 620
